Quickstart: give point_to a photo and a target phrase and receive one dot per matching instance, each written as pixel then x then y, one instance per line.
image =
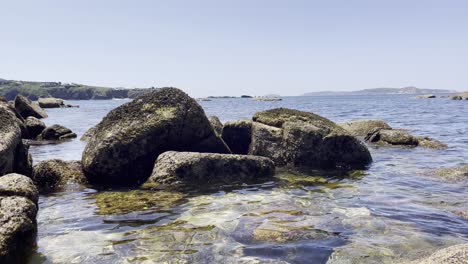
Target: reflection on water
pixel 388 213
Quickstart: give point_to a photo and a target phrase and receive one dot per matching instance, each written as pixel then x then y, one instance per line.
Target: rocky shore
pixel 163 139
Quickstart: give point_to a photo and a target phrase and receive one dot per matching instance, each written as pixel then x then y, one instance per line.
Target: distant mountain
pixel 381 91
pixel 68 91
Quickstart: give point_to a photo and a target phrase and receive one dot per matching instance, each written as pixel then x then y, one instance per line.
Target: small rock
pixel 427 142
pixel 453 174
pixel 426 96
pixel 56 132
pixel 51 103
pixel 193 167
pixel 363 127
pixel 34 126
pixel 238 136
pixel 54 175
pixel 27 108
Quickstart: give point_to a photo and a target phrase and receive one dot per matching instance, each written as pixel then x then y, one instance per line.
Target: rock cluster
pixel 461 96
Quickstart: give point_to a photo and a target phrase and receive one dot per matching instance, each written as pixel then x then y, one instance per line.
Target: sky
pixel 224 47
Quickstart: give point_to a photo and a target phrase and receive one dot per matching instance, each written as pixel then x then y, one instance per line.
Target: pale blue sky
pixel 237 47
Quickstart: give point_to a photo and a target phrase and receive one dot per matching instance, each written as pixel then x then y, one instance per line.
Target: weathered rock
pixel 302 139
pixel 462 96
pixel 18 226
pixel 363 127
pixel 54 175
pixel 17 118
pixel 427 142
pixel 453 174
pixel 34 126
pixel 27 108
pixel 128 140
pixel 51 103
pixel 193 167
pixel 238 135
pixel 56 132
pixel 13 153
pixel 403 138
pixel 88 134
pixel 457 254
pixel 426 96
pixel 216 124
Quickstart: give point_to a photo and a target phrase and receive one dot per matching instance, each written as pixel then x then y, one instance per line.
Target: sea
pixel 395 211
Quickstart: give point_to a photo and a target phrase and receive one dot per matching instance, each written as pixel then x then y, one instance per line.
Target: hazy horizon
pixel 238 47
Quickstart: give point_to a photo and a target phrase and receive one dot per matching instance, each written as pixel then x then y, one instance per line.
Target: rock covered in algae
pixel 18 209
pixel 453 174
pixel 194 167
pixel 238 135
pixel 123 202
pixel 128 140
pixel 55 174
pixel 301 139
pixel 363 127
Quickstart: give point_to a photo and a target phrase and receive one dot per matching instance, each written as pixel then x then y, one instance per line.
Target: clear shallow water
pixel 392 212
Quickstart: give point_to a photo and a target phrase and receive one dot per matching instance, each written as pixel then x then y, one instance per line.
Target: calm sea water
pixel 394 211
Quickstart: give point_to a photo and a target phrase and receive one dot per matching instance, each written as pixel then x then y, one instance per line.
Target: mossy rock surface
pixel 54 175
pixel 301 139
pixel 128 140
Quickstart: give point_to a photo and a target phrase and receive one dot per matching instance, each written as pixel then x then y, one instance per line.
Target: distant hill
pixel 68 91
pixel 382 91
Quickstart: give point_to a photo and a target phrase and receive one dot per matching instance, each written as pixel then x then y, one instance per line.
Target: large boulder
pixel 51 103
pixel 301 139
pixel 18 210
pixel 34 126
pixel 193 167
pixel 54 175
pixel 238 135
pixel 13 153
pixel 16 117
pixel 216 124
pixel 363 127
pixel 128 140
pixel 27 108
pixel 56 132
pixel 88 134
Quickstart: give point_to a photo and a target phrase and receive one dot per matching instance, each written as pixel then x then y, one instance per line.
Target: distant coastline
pixel 382 91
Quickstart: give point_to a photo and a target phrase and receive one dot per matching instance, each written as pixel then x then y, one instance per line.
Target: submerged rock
pixel 453 174
pixel 56 132
pixel 128 140
pixel 301 139
pixel 363 127
pixel 216 124
pixel 13 153
pixel 34 126
pixel 124 202
pixel 18 209
pixel 27 108
pixel 193 167
pixel 238 136
pixel 457 254
pixel 54 175
pixel 427 142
